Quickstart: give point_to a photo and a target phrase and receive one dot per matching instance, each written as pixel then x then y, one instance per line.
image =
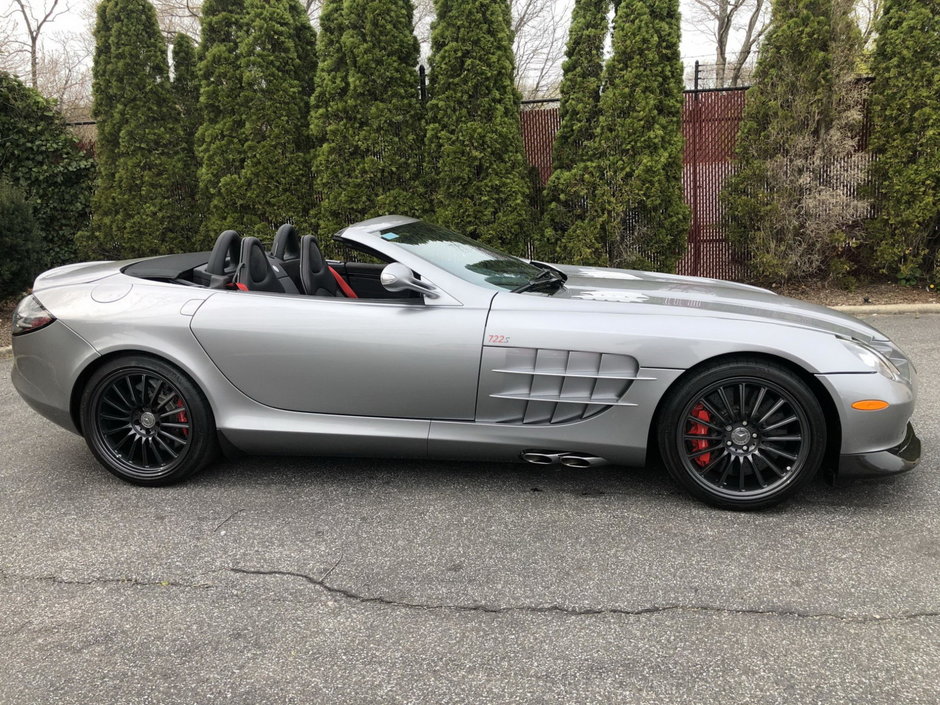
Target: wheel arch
pixel 81 381
pixel 830 411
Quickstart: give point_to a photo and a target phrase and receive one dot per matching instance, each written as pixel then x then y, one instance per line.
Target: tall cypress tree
pixel 107 131
pixel 637 213
pixel 570 186
pixel 305 44
pixel 380 128
pixel 271 186
pixel 475 159
pixel 186 92
pixel 332 165
pixel 221 111
pixel 138 211
pixel 792 198
pixel 905 113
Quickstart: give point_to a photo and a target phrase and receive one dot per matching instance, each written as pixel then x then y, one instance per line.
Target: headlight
pixel 30 315
pixel 874 359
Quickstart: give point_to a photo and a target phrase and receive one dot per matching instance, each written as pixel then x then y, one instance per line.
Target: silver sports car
pixel 424 343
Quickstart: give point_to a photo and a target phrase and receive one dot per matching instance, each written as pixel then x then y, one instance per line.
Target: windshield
pixel 462 256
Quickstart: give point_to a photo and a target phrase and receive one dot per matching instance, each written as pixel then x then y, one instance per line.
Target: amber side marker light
pixel 870 405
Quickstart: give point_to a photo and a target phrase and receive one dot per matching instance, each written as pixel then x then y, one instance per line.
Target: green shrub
pixel 19 241
pixel 905 113
pixel 793 203
pixel 42 158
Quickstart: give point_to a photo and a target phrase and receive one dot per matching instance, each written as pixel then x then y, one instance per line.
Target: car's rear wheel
pixel 743 434
pixel 146 422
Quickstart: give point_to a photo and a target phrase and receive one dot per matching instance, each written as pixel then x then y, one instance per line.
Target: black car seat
pixel 286 250
pixel 316 276
pixel 256 272
pixel 219 271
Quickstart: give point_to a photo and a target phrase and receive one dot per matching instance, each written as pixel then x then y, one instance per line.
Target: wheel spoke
pixel 715 462
pixel 174 425
pixel 701 437
pixel 724 475
pixel 713 411
pixel 775 451
pixel 760 478
pixel 696 419
pixel 773 410
pixel 119 429
pixel 769 463
pixel 725 402
pixel 127 406
pixel 173 454
pixel 742 399
pixel 704 451
pixel 130 387
pixel 760 400
pixel 788 439
pixel 741 474
pixel 171 437
pixel 786 421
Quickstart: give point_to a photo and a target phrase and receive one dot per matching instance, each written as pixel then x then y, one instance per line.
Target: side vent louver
pixel 537 386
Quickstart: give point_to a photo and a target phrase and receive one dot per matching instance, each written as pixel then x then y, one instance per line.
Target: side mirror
pixel 397 277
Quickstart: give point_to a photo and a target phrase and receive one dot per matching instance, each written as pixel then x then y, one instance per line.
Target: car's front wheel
pixel 146 422
pixel 743 434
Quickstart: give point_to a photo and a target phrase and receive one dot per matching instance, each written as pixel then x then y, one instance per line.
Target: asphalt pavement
pixel 273 580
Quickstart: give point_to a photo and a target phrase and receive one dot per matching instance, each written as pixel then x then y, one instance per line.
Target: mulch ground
pixel 878 293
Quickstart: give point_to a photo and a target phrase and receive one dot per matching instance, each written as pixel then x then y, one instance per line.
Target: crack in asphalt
pixel 354 596
pixel 133 582
pixel 577 611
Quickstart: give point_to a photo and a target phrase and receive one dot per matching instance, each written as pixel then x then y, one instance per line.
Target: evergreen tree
pixel 136 211
pixel 271 186
pixel 475 160
pixel 570 184
pixel 328 121
pixel 792 199
pixel 186 92
pixel 905 112
pixel 380 128
pixel 222 113
pixel 636 215
pixel 305 44
pixel 20 240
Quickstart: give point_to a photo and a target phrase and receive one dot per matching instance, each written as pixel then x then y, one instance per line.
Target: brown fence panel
pixel 709 124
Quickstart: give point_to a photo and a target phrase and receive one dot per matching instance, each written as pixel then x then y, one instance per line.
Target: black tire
pixel 146 421
pixel 742 456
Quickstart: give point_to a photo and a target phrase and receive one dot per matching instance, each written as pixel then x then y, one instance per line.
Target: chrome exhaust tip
pixel 582 461
pixel 537 457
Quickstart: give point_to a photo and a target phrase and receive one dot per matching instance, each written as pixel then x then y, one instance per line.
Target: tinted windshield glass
pixel 462 256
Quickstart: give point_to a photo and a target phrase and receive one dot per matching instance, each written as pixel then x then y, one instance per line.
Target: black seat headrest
pixel 254 268
pixel 286 243
pixel 315 275
pixel 225 254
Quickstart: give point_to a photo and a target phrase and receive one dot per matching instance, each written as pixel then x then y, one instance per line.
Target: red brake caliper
pixel 699 412
pixel 182 418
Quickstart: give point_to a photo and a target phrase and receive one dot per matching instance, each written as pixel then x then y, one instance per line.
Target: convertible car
pixel 425 343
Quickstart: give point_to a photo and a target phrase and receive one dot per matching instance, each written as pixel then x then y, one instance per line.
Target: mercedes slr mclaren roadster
pixel 427 344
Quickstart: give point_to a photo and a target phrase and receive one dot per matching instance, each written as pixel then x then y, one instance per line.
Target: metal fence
pixel 709 124
pixel 710 120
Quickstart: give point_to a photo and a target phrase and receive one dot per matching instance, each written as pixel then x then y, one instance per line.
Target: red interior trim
pixel 344 287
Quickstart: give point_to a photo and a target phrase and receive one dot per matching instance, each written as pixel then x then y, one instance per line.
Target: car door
pixel 389 358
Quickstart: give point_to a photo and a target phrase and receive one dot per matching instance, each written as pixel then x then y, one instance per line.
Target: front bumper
pixel 902 458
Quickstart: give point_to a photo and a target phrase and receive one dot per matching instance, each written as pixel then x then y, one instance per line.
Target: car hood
pixel 712 297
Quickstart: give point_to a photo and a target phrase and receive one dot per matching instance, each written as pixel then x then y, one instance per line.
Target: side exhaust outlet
pixel 582 461
pixel 540 458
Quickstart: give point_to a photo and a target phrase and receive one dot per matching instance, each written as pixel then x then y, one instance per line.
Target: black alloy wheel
pixel 146 422
pixel 743 435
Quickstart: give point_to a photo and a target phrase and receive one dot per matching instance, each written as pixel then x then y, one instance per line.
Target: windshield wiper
pixel 547 277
